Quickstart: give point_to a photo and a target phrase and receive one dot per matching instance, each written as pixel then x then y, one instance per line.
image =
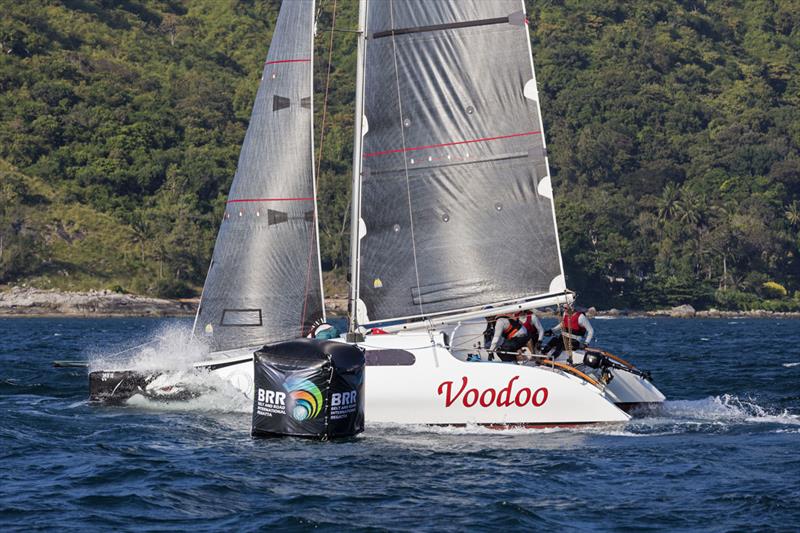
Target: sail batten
pixel 455 203
pixel 264 283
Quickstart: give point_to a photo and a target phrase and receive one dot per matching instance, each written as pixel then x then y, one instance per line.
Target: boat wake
pixel 726 408
pixel 714 414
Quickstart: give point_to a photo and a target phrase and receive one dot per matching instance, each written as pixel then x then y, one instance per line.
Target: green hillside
pixel 673 130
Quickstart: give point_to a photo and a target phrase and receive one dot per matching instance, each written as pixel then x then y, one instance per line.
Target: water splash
pixel 170 354
pixel 213 394
pixel 171 348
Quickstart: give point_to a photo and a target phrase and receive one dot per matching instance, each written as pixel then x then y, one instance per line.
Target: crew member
pixel 534 329
pixel 509 336
pixel 574 327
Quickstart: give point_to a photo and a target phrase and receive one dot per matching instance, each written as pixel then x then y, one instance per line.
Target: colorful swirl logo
pixel 306 397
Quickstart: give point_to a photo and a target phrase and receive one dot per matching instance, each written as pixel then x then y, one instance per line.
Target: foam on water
pixel 791 365
pixel 217 395
pixel 726 408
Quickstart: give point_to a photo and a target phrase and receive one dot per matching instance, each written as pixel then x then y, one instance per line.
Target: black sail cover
pixel 264 281
pixel 456 200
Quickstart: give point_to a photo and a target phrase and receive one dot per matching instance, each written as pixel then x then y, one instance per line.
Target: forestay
pixel 264 283
pixel 456 202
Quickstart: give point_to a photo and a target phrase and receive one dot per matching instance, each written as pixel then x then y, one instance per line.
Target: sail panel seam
pixel 453 143
pixel 420 168
pixel 440 27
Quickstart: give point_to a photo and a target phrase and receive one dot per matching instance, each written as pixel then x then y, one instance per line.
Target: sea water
pixel 722 454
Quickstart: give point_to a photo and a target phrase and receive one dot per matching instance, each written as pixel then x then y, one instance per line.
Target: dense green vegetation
pixel 673 130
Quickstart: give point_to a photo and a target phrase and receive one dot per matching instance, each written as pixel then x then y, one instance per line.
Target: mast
pixel 358 133
pixel 314 176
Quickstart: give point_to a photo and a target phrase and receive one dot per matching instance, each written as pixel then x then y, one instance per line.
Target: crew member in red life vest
pixel 509 336
pixel 533 327
pixel 574 327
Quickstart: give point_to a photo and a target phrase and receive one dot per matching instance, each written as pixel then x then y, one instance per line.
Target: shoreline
pixel 24 302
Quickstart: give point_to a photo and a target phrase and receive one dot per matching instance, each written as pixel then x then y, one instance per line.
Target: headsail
pixel 456 203
pixel 264 283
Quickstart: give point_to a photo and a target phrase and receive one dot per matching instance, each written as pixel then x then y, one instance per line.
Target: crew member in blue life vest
pixel 574 327
pixel 509 336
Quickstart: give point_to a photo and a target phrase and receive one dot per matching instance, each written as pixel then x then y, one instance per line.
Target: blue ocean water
pixel 723 454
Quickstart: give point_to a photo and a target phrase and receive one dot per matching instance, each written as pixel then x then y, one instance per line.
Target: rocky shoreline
pixel 29 302
pixel 687 311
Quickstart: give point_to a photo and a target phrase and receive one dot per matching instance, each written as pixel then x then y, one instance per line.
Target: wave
pixel 791 365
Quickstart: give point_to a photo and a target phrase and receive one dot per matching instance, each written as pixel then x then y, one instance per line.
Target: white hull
pixel 439 388
pixel 629 390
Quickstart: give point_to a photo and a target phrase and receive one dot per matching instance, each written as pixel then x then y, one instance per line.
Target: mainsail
pixel 456 208
pixel 264 283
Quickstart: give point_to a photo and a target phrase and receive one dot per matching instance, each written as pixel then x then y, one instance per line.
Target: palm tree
pixel 668 202
pixel 691 208
pixel 793 214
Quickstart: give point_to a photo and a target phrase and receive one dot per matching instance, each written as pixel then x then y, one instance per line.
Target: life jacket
pixel 570 324
pixel 533 331
pixel 513 327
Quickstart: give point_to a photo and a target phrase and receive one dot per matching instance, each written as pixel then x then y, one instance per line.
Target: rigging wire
pixel 319 160
pixel 327 87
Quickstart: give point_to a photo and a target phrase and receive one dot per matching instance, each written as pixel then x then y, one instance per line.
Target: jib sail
pixel 456 204
pixel 264 283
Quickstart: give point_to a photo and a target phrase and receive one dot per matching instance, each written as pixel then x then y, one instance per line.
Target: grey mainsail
pixel 264 282
pixel 456 204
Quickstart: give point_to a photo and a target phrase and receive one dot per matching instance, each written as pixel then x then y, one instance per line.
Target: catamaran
pixel 452 221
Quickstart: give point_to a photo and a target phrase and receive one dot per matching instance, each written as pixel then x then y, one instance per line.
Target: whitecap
pixel 791 365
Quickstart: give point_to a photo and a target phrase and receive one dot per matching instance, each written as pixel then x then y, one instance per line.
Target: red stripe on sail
pixel 240 200
pixel 454 143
